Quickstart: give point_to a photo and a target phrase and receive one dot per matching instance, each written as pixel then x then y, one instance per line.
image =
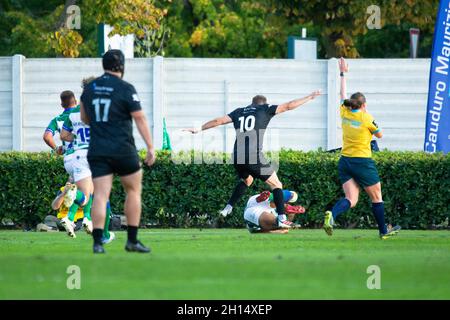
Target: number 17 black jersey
pixel 109 102
pixel 250 124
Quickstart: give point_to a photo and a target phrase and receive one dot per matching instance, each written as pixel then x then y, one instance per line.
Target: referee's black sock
pixel 97 234
pixel 238 192
pixel 279 200
pixel 132 234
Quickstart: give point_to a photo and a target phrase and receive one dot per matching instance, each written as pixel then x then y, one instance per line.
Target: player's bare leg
pixel 133 207
pixel 102 186
pixel 351 190
pixel 238 192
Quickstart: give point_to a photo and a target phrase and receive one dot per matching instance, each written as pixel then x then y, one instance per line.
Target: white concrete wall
pixel 188 92
pixel 397 92
pixel 44 79
pixel 5 104
pixel 197 90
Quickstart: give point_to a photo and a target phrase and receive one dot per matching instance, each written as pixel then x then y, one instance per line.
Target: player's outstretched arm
pixel 210 124
pixel 294 104
pixel 142 124
pixel 343 68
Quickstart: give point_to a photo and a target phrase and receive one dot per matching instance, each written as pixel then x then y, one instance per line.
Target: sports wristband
pixel 342 74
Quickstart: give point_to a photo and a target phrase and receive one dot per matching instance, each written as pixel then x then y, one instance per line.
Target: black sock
pixel 238 192
pixel 279 200
pixel 97 234
pixel 132 234
pixel 378 212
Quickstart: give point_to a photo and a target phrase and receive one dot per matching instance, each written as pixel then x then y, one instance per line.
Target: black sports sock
pixel 238 192
pixel 279 200
pixel 378 212
pixel 97 234
pixel 132 234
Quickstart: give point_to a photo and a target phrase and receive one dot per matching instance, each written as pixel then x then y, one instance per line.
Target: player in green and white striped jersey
pixel 77 198
pixel 75 131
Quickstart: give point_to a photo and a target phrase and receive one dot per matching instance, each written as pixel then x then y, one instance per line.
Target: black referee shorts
pixel 120 165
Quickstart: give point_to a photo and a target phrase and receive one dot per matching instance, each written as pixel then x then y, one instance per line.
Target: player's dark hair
pixel 259 100
pixel 356 101
pixel 86 81
pixel 114 60
pixel 67 98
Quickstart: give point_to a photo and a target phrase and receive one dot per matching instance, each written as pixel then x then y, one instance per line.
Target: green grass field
pixel 228 264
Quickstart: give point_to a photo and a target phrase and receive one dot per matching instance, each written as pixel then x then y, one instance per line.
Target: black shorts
pixel 258 171
pixel 120 165
pixel 362 170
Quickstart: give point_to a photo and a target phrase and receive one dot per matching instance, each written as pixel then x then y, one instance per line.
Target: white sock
pixel 228 208
pixel 282 217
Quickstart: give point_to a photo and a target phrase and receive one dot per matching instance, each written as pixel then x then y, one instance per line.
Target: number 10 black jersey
pixel 250 124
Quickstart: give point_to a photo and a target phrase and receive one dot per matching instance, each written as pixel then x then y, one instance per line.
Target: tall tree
pixel 342 21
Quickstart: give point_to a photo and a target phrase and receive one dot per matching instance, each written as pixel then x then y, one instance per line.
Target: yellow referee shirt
pixel 358 127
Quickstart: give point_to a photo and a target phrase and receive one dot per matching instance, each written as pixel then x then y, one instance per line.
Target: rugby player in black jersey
pixel 109 105
pixel 250 124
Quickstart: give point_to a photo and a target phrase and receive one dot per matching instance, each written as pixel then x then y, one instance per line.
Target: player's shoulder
pixel 124 85
pixel 237 111
pixel 56 119
pixel 75 110
pixel 368 117
pixel 92 84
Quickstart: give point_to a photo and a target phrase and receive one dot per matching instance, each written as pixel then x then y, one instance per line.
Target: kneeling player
pixel 260 214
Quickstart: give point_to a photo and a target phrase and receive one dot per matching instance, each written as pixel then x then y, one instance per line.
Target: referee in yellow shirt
pixel 356 167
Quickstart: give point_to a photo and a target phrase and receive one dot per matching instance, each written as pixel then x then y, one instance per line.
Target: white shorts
pixel 253 214
pixel 68 165
pixel 77 165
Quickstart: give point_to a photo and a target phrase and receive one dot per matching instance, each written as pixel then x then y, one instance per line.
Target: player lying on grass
pixel 71 211
pixel 356 167
pixel 260 214
pixel 249 162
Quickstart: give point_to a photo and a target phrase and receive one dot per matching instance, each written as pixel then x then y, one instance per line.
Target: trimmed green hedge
pixel 416 189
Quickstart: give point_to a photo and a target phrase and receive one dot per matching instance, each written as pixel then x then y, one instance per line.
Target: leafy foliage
pixel 41 31
pixel 182 194
pixel 222 28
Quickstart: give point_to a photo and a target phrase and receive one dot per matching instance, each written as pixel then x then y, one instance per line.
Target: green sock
pixel 107 218
pixel 72 211
pixel 79 199
pixel 87 209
